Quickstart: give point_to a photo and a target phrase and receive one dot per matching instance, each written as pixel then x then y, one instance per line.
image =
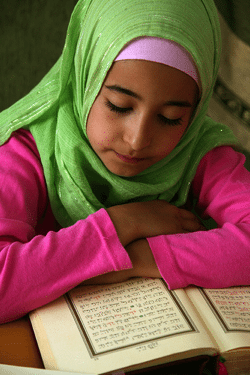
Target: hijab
pixel 56 110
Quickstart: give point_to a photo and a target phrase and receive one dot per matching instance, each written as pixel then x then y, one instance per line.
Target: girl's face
pixel 140 115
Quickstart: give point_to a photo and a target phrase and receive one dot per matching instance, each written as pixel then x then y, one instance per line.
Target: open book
pixel 140 323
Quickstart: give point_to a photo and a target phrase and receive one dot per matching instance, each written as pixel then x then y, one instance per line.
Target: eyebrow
pixel 120 89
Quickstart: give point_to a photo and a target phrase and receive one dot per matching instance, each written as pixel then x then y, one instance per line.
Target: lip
pixel 129 159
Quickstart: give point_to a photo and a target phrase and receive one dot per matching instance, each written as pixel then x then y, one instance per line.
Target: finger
pixel 185 214
pixel 188 215
pixel 194 225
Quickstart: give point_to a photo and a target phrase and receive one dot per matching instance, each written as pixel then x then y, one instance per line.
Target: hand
pixel 139 220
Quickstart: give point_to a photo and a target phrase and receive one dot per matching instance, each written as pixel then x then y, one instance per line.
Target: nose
pixel 138 133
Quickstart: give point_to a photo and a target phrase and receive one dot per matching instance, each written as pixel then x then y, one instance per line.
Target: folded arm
pixel 38 266
pixel 182 252
pixel 220 257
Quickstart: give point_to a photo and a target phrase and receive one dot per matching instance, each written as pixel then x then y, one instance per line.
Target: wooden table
pixel 18 345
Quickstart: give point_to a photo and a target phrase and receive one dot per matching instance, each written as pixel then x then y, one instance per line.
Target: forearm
pixel 42 269
pixel 217 258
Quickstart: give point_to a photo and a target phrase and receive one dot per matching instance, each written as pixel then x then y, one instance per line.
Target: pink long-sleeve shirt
pixel 39 262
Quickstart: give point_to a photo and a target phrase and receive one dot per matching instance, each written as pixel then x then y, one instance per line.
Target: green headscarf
pixel 56 110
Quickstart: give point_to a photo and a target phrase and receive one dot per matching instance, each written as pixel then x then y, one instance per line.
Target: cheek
pixel 100 129
pixel 168 141
pixel 93 127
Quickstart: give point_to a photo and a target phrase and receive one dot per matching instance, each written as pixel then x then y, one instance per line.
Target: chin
pixel 124 172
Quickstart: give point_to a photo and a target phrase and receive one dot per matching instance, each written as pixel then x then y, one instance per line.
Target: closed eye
pixel 123 110
pixel 115 108
pixel 171 122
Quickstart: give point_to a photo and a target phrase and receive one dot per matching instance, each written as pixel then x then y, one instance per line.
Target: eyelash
pixel 116 109
pixel 121 111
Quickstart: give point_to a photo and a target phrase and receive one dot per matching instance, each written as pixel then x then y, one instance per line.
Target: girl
pixel 97 161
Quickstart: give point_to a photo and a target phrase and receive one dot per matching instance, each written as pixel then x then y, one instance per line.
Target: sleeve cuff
pixel 165 261
pixel 103 223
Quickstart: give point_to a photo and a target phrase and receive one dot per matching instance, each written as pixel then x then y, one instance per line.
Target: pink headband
pixel 163 51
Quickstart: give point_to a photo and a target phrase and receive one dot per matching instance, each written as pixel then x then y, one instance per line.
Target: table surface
pixel 18 345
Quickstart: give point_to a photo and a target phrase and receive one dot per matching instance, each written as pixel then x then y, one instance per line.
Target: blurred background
pixel 231 100
pixel 32 35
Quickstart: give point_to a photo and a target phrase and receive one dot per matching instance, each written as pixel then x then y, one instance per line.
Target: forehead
pixel 151 78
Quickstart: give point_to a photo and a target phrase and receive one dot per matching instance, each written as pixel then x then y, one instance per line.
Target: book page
pixel 226 311
pixel 131 313
pixel 104 328
pixel 231 307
